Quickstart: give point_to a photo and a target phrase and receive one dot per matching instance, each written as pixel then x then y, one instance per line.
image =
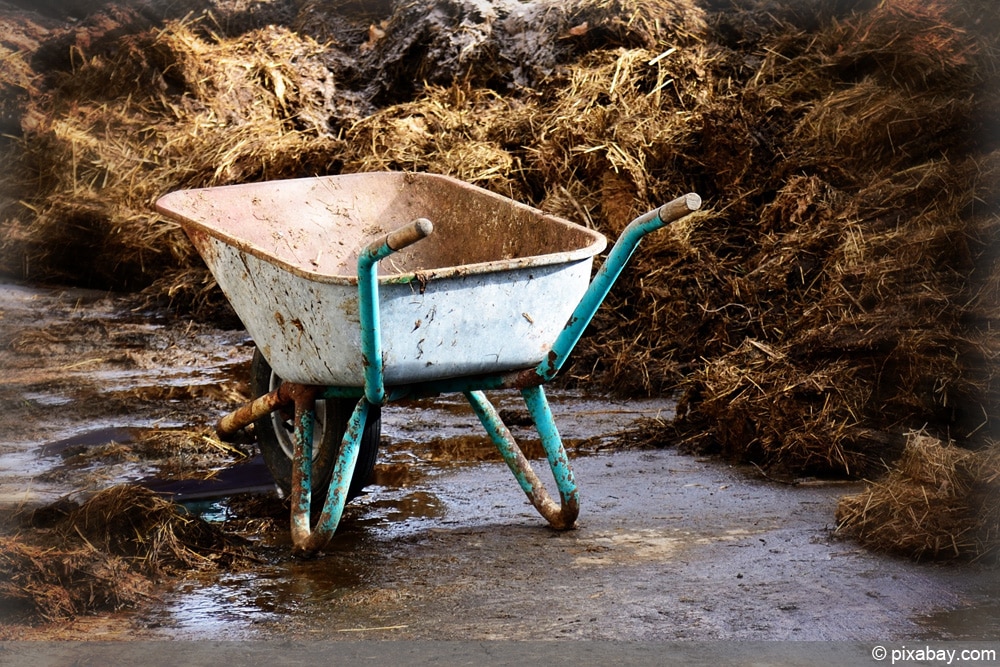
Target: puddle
pixel 578 417
pixel 399 512
pixel 89 439
pixel 207 610
pixel 246 477
pixel 47 400
pixel 976 618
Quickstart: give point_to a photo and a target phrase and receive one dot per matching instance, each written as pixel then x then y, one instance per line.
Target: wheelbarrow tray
pixel 488 292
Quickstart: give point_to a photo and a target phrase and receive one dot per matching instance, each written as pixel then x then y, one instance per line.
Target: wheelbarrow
pixel 363 289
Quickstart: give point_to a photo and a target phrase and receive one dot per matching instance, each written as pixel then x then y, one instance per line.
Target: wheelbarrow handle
pixel 399 239
pixel 368 308
pixel 677 209
pixel 617 259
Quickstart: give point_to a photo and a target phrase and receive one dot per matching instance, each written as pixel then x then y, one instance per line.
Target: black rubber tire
pixel 331 423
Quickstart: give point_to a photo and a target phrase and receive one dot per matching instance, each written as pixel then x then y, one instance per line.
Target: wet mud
pixel 667 548
pixel 99 391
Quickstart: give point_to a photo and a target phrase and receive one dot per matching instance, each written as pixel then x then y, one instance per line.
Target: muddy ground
pixel 444 546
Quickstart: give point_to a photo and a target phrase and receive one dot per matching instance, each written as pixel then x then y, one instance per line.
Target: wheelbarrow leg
pixel 302 456
pixel 562 515
pixel 307 539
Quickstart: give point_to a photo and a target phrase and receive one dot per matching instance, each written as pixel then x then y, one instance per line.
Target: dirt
pixel 444 545
pixel 81 369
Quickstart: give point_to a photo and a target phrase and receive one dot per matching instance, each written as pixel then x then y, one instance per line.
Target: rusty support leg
pixel 286 394
pixel 306 540
pixel 301 495
pixel 561 516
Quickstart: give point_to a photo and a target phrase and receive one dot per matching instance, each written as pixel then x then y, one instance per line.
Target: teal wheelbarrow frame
pixel 311 533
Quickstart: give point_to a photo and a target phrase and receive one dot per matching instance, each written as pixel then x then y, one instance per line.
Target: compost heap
pixel 832 310
pixel 104 554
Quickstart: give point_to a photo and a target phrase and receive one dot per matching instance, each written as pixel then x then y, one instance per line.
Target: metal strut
pixel 306 538
pixel 562 515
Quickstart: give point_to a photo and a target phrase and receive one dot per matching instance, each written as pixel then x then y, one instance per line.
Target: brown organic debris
pixel 104 554
pixel 940 502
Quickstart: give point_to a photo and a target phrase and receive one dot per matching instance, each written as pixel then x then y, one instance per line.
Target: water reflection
pixel 229 608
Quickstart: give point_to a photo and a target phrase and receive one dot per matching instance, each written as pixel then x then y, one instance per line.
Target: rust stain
pixel 297 323
pixel 279 318
pixel 423 279
pixel 350 309
pixel 551 359
pixel 522 379
pixel 286 393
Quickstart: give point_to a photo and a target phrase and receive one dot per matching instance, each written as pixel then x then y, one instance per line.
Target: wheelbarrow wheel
pixel 275 437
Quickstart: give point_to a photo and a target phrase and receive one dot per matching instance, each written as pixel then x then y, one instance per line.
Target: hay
pixel 52 584
pixel 940 502
pixel 173 453
pixel 143 528
pixel 868 276
pixel 456 131
pixel 106 553
pixel 177 106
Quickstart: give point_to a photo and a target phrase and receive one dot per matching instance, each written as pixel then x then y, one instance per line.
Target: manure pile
pixel 838 294
pixel 104 554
